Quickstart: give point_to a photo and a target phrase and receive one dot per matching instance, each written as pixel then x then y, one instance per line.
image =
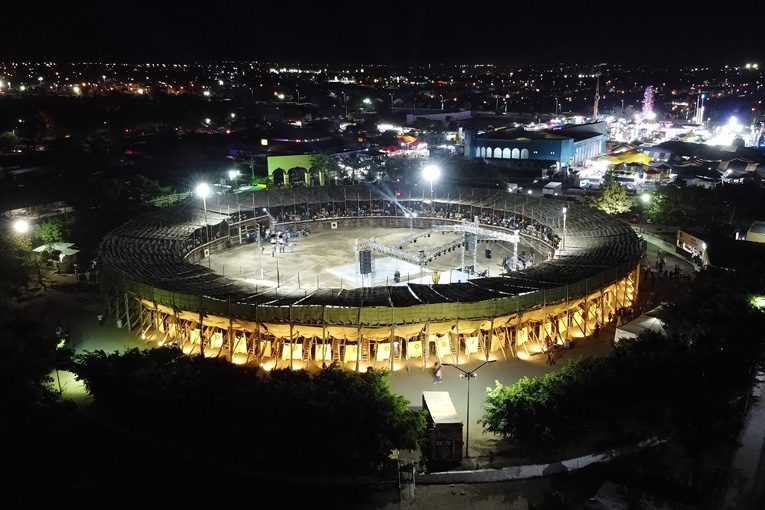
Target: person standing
pixel 100 318
pixel 596 330
pixel 437 372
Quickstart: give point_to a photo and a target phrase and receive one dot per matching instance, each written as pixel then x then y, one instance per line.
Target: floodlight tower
pixel 203 190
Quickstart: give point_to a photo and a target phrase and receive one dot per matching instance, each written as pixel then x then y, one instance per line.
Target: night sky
pixel 403 31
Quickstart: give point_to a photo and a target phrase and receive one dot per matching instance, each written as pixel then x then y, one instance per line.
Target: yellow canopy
pixel 630 157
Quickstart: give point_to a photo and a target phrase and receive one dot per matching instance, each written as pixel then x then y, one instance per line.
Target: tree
pixel 50 232
pixel 8 141
pixel 612 198
pixel 328 165
pixel 334 421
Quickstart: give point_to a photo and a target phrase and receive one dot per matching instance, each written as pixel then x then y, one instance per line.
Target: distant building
pixel 570 145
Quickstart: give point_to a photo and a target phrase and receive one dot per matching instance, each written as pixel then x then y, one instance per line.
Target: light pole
pixel 203 190
pixel 468 375
pixel 431 172
pixel 564 229
pixel 21 227
pixel 233 175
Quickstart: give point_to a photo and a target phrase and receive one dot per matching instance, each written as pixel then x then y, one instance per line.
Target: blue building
pixel 568 146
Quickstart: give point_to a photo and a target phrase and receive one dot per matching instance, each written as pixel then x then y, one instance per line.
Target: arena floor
pixel 326 259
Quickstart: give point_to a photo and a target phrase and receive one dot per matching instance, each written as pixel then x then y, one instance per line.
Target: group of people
pixel 623 315
pixel 551 347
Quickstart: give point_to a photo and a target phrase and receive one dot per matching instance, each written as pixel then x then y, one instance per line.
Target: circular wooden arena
pixel 158 277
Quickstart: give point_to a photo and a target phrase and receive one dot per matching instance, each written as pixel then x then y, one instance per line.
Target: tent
pixel 630 157
pixel 646 322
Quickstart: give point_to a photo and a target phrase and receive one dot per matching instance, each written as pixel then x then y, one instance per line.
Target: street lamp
pixel 468 375
pixel 431 173
pixel 203 190
pixel 564 229
pixel 645 197
pixel 21 227
pixel 233 175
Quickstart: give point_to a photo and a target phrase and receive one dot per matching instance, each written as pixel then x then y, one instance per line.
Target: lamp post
pixel 431 173
pixel 468 375
pixel 564 229
pixel 203 190
pixel 233 175
pixel 21 227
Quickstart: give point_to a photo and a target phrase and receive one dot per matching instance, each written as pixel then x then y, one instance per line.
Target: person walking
pixel 596 330
pixel 437 372
pixel 100 318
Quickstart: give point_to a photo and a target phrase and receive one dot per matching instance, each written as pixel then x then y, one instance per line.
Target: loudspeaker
pixel 470 242
pixel 365 261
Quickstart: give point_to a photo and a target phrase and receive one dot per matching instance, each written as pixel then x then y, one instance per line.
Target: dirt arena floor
pixel 326 259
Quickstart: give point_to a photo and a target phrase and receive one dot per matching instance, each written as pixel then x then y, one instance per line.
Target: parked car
pixel 634 218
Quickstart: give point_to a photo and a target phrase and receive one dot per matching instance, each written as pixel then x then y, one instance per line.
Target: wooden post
pixel 292 343
pixel 324 338
pixel 491 339
pixel 127 311
pixel 156 320
pixel 201 332
pixel 426 347
pixel 231 345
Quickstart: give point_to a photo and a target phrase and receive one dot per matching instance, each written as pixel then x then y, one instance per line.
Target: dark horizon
pixel 341 32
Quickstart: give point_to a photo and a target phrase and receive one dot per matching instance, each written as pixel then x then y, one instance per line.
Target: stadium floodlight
pixel 203 190
pixel 431 173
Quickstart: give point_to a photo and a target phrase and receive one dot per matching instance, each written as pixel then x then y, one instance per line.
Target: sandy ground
pixel 323 250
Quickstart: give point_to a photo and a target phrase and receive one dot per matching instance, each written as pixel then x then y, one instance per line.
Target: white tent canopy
pixel 646 322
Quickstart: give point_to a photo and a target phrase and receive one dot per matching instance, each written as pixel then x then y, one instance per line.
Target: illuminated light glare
pixel 367 100
pixel 263 141
pixel 207 120
pixel 645 197
pixel 23 88
pixel 233 115
pixel 220 82
pixel 232 174
pixel 206 93
pixel 21 226
pixel 280 96
pixel 757 302
pixel 139 91
pixel 651 115
pixel 76 90
pixel 203 190
pixel 703 246
pixel 732 121
pixel 431 172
